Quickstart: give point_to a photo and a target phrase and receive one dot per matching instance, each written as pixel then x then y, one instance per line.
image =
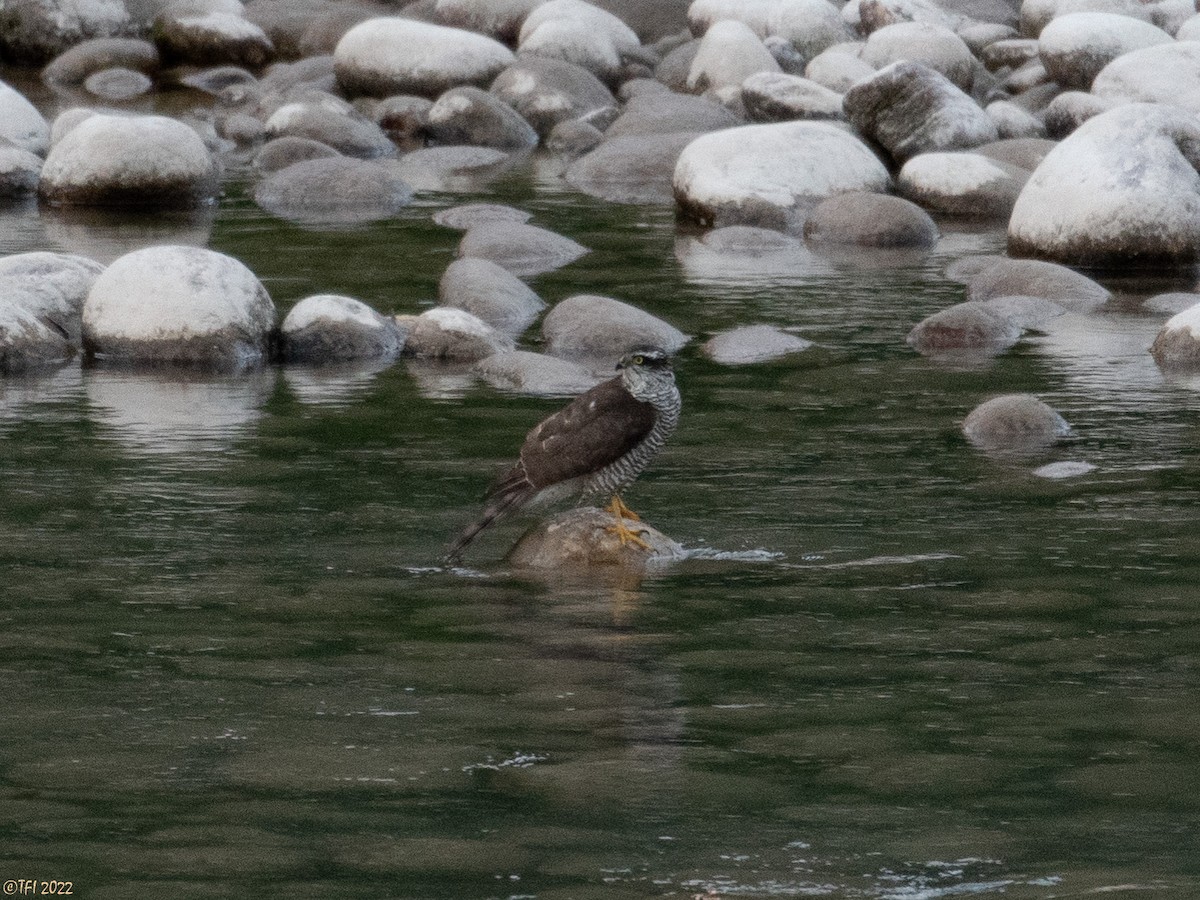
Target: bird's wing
pixel 595 429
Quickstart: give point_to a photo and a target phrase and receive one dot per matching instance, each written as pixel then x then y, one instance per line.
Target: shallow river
pixel 892 667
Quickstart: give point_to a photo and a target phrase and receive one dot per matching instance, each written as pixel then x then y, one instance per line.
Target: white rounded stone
pixel 20 122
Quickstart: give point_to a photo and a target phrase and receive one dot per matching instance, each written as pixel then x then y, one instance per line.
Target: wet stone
pixel 525 250
pixel 876 220
pixel 535 373
pixel 287 151
pixel 469 215
pixel 1017 422
pixel 548 91
pixel 334 190
pixel 1177 344
pixel 468 115
pixel 74 65
pixel 579 540
pixel 213 39
pixel 632 169
pixel 327 329
pixel 445 333
pixel 670 114
pixel 457 168
pixel 968 185
pixel 20 171
pixel 753 344
pixel 490 292
pixel 602 329
pixel 964 328
pixel 117 84
pixel 1005 277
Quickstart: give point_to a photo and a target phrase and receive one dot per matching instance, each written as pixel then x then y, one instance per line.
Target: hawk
pixel 594 446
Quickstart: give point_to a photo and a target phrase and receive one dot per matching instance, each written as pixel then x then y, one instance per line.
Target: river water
pixel 891 667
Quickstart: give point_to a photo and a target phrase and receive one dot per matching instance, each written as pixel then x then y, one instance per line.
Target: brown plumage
pixel 597 444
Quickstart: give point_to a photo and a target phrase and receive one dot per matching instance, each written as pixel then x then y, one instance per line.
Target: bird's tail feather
pixel 500 504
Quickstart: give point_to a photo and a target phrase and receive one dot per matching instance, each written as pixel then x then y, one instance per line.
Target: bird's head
pixel 648 358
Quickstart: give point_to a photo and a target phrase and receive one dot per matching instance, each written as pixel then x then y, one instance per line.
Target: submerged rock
pixel 525 250
pixel 117 84
pixel 753 344
pixel 468 215
pixel 633 169
pixel 964 328
pixel 580 539
pixel 1002 277
pixel 761 174
pixel 280 153
pixel 328 329
pixel 490 292
pixel 171 305
pixel 456 168
pixel 148 161
pixel 1177 345
pixel 602 329
pixel 332 191
pixel 872 220
pixel 1014 422
pixel 445 333
pixel 535 373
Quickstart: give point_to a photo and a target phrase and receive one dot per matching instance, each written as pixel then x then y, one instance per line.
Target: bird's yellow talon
pixel 627 535
pixel 618 510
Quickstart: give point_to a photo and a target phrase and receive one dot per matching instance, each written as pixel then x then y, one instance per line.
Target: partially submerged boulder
pixel 965 328
pixel 872 220
pixel 448 334
pixel 1177 345
pixel 752 344
pixel 328 329
pixel 601 329
pixel 1019 423
pixel 582 539
pixel 968 185
pixel 535 373
pixel 634 169
pixel 490 292
pixel 525 250
pixel 334 190
pixel 174 305
pixel 146 161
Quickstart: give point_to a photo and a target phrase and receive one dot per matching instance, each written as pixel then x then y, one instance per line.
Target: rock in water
pixel 579 540
pixel 1014 422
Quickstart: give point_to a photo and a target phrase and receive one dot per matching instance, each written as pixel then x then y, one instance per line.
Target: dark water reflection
pixel 894 668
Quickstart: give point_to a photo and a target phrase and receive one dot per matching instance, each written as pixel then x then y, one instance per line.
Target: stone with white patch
pixel 390 55
pixel 779 97
pixel 1088 204
pixel 20 171
pixel 839 67
pixel 762 174
pixel 1177 344
pixel 548 91
pixel 935 46
pixel 174 305
pixel 20 122
pixel 328 121
pixel 1166 73
pixel 909 109
pixel 729 53
pixel 212 39
pixel 327 329
pixel 148 161
pixel 500 19
pixel 445 333
pixel 469 115
pixel 33 32
pixel 1074 48
pixel 968 185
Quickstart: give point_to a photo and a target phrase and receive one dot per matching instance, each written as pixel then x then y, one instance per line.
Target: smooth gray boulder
pixel 27 342
pixel 329 329
pixel 279 153
pixel 20 122
pixel 762 174
pixel 332 123
pixel 909 109
pixel 212 39
pixel 1166 73
pixel 1002 277
pixel 839 67
pixel 579 541
pixel 573 138
pixel 601 329
pixel 728 54
pixel 535 373
pixel 336 190
pixel 633 169
pixel 670 114
pixel 468 115
pixel 873 220
pixel 968 185
pixel 1013 122
pixel 392 55
pixel 1177 344
pixel 965 328
pixel 1024 153
pixel 1086 204
pixel 931 45
pixel 525 250
pixel 751 344
pixel 173 305
pixel 145 161
pixel 779 97
pixel 1075 47
pixel 1070 109
pixel 491 293
pixel 405 119
pixel 448 334
pixel 500 19
pixel 548 91
pixel 73 66
pixel 1018 423
pixel 577 33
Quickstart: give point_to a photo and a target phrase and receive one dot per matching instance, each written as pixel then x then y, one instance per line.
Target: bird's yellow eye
pixel 639 360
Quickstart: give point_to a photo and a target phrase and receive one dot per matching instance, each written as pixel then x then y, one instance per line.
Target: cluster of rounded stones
pixel 774 123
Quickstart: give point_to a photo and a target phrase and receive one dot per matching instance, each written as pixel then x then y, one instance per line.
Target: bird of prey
pixel 594 446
